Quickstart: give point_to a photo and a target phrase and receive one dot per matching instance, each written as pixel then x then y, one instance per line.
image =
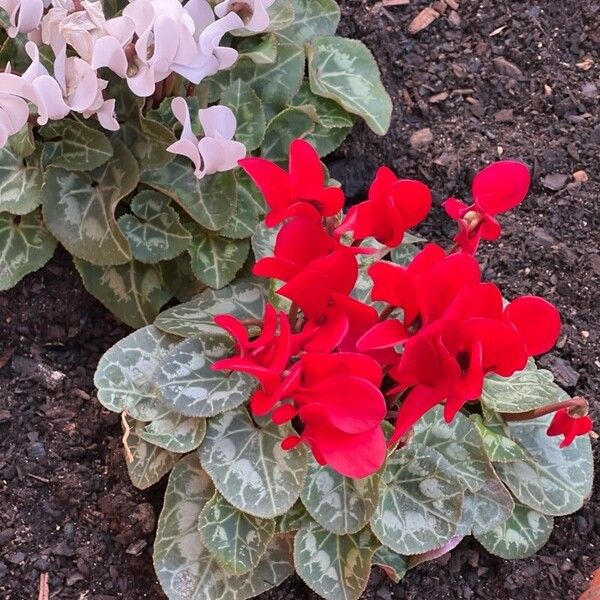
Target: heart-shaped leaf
pixel 153 230
pixel 22 143
pixel 20 182
pixel 345 71
pixel 248 465
pixel 288 125
pixel 499 447
pixel 188 384
pixel 392 564
pixel 245 218
pixel 337 567
pixel 25 246
pixel 248 111
pixel 261 50
pixel 339 504
pixel 312 18
pixel 420 501
pixel 173 432
pixel 294 519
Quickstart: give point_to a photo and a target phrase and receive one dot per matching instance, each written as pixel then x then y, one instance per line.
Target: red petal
pixel 384 180
pixel 412 199
pixel 419 400
pixel 317 367
pixel 501 186
pixel 235 328
pixel 301 241
pixel 273 181
pixel 391 283
pixel 275 268
pixel 383 335
pixel 327 334
pixel 455 209
pixel 290 442
pixel 306 171
pixel 537 321
pixel 283 414
pixel 311 291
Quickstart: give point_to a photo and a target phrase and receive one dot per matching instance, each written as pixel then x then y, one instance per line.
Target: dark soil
pixel 516 82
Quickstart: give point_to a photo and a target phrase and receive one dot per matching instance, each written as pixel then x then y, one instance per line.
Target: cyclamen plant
pixel 357 402
pixel 121 125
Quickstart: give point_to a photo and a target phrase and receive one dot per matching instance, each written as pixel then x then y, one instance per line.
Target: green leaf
pixel 486 508
pixel 179 278
pixel 337 567
pixel 245 218
pixel 188 384
pixel 329 113
pixel 249 467
pixel 345 71
pixel 391 563
pixel 248 111
pixel 325 140
pixel 404 253
pixel 173 432
pixel 20 182
pixel 337 503
pixel 125 374
pixel 237 540
pixel 294 519
pixel 312 18
pixel 552 480
pixel 216 260
pixel 244 299
pixel 79 209
pixel 281 14
pixel 522 535
pixel 364 283
pixel 25 246
pixel 209 201
pixel 164 114
pixel 261 50
pixel 22 142
pixel 153 230
pixel 460 443
pixel 288 125
pixel 246 187
pixel 74 146
pixel 263 240
pixel 420 501
pixel 525 390
pixel 499 448
pixel 147 463
pixel 185 567
pixel 133 292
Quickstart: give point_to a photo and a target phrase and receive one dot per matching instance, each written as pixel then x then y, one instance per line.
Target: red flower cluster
pixel 569 426
pixel 323 365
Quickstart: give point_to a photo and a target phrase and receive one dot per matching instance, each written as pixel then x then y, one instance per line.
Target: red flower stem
pixel 386 312
pixel 579 404
pixel 293 316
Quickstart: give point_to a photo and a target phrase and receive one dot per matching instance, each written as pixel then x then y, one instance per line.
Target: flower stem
pixel 293 316
pixel 386 312
pixel 578 406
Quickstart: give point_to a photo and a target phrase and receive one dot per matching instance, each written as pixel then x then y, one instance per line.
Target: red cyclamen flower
pixel 299 192
pixel 570 426
pixel 496 189
pixel 394 205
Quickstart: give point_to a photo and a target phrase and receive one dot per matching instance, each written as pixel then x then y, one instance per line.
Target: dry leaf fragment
pixel 395 2
pixel 424 19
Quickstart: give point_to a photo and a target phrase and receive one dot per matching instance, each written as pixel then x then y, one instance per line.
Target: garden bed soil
pixel 495 78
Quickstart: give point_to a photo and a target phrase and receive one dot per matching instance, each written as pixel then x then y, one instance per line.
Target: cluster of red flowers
pixel 336 367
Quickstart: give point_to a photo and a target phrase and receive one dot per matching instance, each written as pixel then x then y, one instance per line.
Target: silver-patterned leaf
pixel 153 230
pixel 209 201
pixel 290 124
pixel 79 209
pixel 185 567
pixel 392 564
pixel 420 501
pixel 499 447
pixel 326 140
pixel 486 508
pixel 263 240
pixel 337 503
pixel 244 299
pixel 22 143
pixel 248 111
pixel 294 519
pixel 248 465
pixel 328 112
pixel 522 535
pixel 345 71
pixel 337 567
pixel 133 292
pixel 312 18
pixel 459 442
pixel 364 283
pixel 245 218
pixel 552 480
pixel 236 539
pixel 525 390
pixel 404 253
pixel 20 182
pixel 173 432
pixel 188 384
pixel 124 376
pixel 281 14
pixel 146 463
pixel 25 246
pixel 260 49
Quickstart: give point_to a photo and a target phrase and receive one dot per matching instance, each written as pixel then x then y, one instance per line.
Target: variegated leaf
pixel 245 218
pixel 153 230
pixel 25 246
pixel 22 143
pixel 364 283
pixel 74 146
pixel 124 376
pixel 248 465
pixel 325 140
pixel 392 564
pixel 20 182
pixel 263 240
pixel 249 113
pixel 209 201
pixel 179 278
pixel 499 447
pixel 290 124
pixel 236 539
pixel 339 504
pixel 522 535
pixel 525 390
pixel 337 567
pixel 294 519
pixel 486 509
pixel 312 18
pixel 552 480
pixel 185 567
pixel 460 443
pixel 79 209
pixel 244 299
pixel 404 253
pixel 281 14
pixel 420 501
pixel 260 49
pixel 133 292
pixel 328 112
pixel 188 384
pixel 345 71
pixel 173 432
pixel 146 463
